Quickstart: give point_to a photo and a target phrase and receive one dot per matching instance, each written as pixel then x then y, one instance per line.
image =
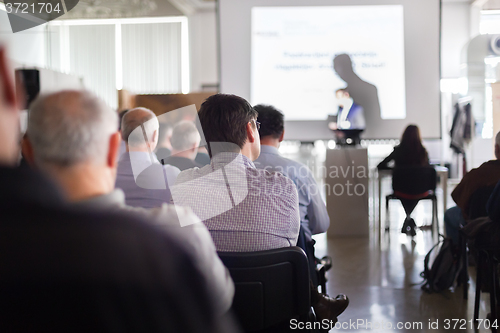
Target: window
pixel 144 56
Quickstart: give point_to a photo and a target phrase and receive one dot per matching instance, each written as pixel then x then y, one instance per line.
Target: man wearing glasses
pixel 245 209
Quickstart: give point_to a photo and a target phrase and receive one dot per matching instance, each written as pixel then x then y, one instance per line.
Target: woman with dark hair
pixel 409 152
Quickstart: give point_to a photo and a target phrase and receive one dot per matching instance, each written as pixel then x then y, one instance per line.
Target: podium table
pixel 346 185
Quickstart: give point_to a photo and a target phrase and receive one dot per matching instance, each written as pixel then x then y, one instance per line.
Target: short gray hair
pixel 184 136
pixel 131 133
pixel 70 127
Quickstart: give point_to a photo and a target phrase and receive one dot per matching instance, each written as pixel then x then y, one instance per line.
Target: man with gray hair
pixel 67 270
pixel 142 178
pixel 488 174
pixel 185 141
pixel 60 122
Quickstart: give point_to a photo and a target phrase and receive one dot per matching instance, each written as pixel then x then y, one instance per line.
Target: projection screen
pixel 282 52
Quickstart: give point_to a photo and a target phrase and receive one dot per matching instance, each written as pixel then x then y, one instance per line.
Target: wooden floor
pixel 382 280
pixel 381 276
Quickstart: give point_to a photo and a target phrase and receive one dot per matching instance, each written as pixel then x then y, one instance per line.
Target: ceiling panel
pixel 122 8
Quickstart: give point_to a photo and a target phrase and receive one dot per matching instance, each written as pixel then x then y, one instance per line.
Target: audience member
pixel 164 147
pixel 145 182
pixel 245 209
pixel 409 152
pixel 89 179
pixel 85 271
pixel 185 141
pixel 259 197
pixel 314 218
pixel 488 174
pixel 123 146
pixel 350 115
pixel 202 157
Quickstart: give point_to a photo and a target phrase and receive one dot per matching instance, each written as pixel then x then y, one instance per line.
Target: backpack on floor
pixel 445 268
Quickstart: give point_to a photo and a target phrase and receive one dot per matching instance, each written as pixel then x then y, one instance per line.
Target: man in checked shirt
pixel 244 208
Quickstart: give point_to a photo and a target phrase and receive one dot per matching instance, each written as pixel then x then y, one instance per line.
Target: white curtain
pixel 92 56
pixel 151 56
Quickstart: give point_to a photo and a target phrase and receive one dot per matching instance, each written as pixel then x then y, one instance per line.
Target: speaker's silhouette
pixel 363 93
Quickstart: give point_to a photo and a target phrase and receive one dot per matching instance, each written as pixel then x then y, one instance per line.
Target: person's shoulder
pixel 172 169
pixel 292 163
pixel 114 224
pixel 484 167
pixel 491 163
pixel 284 165
pixel 179 221
pixel 167 159
pixel 273 178
pixel 357 106
pixel 192 173
pixel 173 215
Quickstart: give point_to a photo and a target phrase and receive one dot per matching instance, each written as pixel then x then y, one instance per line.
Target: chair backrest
pixel 493 205
pixel 478 201
pixel 414 180
pixel 271 286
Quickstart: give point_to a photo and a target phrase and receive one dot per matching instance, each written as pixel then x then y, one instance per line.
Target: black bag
pixel 445 267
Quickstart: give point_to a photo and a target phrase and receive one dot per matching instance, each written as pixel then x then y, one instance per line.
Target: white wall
pixel 455 32
pixel 203 49
pixel 26 48
pixel 460 23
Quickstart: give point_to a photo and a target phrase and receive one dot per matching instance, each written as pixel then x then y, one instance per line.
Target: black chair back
pixel 478 201
pixel 272 286
pixel 493 206
pixel 414 180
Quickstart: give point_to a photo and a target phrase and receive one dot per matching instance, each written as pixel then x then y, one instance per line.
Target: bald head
pixel 70 127
pixel 185 136
pixel 140 129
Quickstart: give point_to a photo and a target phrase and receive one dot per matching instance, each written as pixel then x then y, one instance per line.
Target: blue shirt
pixel 142 178
pixel 313 215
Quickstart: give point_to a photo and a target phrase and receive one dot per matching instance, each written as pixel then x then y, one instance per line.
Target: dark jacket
pixel 403 157
pixel 81 271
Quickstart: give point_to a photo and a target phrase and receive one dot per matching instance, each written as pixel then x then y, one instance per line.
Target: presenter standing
pixel 350 115
pixel 361 92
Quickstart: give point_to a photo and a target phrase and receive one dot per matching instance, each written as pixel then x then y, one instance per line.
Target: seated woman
pixel 409 152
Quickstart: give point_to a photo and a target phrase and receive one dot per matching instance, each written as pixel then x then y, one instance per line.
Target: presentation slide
pixel 296 54
pixel 301 55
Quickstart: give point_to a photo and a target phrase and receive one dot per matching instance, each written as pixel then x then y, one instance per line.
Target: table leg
pixel 444 185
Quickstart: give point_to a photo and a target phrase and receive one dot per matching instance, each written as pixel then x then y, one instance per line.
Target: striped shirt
pixel 245 209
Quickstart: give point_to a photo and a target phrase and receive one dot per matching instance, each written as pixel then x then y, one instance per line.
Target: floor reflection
pixel 381 275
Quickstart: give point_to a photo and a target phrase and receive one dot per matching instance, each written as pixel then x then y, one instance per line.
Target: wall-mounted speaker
pixel 29 79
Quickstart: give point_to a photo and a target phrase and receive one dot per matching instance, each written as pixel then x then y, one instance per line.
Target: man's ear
pixel 155 136
pixel 27 150
pixel 282 136
pixel 114 149
pixel 250 132
pixel 8 91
